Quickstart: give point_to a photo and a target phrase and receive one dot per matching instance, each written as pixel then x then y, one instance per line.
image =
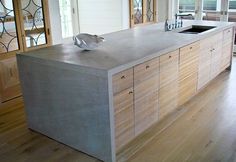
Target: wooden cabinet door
pixel 227 48
pixel 9 80
pixel 188 70
pixel 146 87
pixel 123 98
pixel 204 68
pixel 168 93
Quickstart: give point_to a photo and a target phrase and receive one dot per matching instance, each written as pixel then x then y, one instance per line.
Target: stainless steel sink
pixel 196 29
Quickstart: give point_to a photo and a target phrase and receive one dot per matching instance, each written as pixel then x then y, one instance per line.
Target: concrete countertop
pixel 127 48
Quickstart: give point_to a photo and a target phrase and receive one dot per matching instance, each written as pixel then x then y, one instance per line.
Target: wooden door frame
pixel 131 13
pixel 18 32
pixel 46 27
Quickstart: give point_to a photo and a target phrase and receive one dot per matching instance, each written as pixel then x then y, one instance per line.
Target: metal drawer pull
pixel 147 67
pixel 170 56
pixel 123 77
pixel 191 48
pixel 130 92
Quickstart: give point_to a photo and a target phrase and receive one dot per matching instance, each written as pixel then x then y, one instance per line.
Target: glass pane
pixel 232 4
pixel 66 18
pixel 138 11
pixel 33 22
pixel 150 11
pixel 210 5
pixel 187 9
pixel 186 5
pixel 8 34
pixel 232 11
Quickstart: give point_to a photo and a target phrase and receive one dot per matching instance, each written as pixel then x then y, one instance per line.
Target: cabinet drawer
pixel 228 34
pixel 124 117
pixel 122 80
pixel 146 70
pixel 190 49
pixel 169 64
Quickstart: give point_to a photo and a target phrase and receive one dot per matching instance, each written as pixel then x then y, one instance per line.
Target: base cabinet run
pixel 150 91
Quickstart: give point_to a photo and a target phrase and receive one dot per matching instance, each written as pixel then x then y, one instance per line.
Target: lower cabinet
pixel 209 59
pixel 146 87
pixel 148 92
pixel 9 79
pixel 227 48
pixel 168 94
pixel 123 107
pixel 188 72
pixel 124 117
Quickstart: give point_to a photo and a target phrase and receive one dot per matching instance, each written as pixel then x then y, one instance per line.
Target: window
pixel 142 11
pixel 66 18
pixel 210 5
pixel 186 6
pixel 232 4
pixel 211 10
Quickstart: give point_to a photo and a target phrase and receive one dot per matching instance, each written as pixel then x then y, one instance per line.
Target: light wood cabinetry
pixel 146 87
pixel 209 59
pixel 123 107
pixel 188 72
pixel 147 92
pixel 9 79
pixel 227 48
pixel 216 55
pixel 168 94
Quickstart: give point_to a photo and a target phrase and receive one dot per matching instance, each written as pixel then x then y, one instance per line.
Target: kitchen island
pixel 98 101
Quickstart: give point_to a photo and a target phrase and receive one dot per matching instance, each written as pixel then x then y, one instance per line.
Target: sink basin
pixel 196 29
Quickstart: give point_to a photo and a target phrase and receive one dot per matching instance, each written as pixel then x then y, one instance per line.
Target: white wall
pixel 162 10
pixel 100 17
pixel 125 14
pixel 55 21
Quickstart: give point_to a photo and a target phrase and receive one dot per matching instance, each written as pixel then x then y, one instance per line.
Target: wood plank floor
pixel 205 132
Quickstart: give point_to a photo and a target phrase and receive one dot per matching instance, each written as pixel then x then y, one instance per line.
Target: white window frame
pixel 75 22
pixel 199 8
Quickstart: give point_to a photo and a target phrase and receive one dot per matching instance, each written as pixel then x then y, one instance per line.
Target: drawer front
pixel 122 81
pixel 124 117
pixel 169 68
pixel 189 49
pixel 146 70
pixel 228 34
pixel 189 58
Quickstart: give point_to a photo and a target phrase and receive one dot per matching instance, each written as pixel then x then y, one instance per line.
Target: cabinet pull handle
pixel 170 56
pixel 147 67
pixel 123 77
pixel 131 92
pixel 191 48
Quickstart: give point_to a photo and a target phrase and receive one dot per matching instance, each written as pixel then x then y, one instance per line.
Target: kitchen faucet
pixel 176 24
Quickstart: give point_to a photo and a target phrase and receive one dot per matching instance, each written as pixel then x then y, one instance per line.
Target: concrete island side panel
pixel 68 103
